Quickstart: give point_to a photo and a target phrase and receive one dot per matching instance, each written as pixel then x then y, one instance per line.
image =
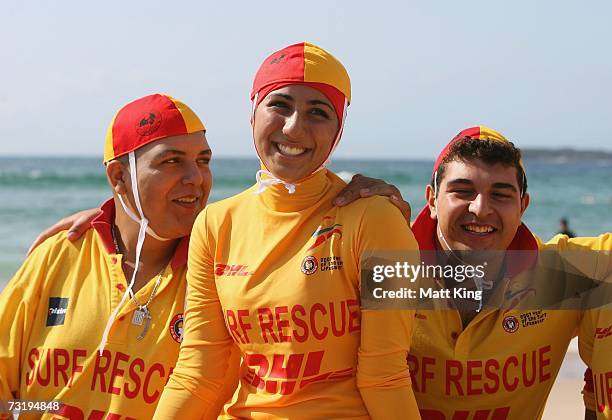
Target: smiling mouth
pixel 480 230
pixel 189 201
pixel 291 151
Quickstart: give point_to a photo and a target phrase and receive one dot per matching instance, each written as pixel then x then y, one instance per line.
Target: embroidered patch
pixel 176 328
pixel 148 124
pixel 510 324
pixel 309 265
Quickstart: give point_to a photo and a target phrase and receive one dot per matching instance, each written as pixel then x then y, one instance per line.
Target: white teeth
pixel 187 200
pixel 290 150
pixel 479 229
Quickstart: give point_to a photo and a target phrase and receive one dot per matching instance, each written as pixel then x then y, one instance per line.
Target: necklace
pixel 142 315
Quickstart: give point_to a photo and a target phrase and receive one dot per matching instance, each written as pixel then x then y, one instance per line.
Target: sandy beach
pixel 565 401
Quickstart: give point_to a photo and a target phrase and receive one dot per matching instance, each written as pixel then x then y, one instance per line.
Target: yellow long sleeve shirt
pixel 502 365
pixel 53 313
pixel 279 275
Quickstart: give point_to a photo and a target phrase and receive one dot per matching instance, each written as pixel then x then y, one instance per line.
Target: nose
pixel 480 206
pixel 193 174
pixel 294 128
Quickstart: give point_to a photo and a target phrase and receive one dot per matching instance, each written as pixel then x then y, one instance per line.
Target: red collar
pixel 103 222
pixel 425 228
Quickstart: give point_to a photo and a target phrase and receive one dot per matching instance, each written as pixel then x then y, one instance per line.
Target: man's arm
pixel 76 224
pixel 363 186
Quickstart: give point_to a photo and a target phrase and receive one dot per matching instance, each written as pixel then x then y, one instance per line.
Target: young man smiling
pixel 500 362
pixel 96 324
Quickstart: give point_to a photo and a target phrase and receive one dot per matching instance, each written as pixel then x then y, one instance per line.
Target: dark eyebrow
pixel 282 95
pixel 319 102
pixel 311 102
pixel 181 153
pixel 505 185
pixel 460 181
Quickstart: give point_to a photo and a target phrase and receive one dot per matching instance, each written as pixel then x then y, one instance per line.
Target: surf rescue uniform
pixel 503 364
pixel 595 332
pixel 279 275
pixel 595 345
pixel 53 312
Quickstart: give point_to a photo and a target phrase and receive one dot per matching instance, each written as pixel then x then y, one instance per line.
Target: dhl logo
pixel 232 270
pixel 284 374
pixel 322 234
pixel 601 333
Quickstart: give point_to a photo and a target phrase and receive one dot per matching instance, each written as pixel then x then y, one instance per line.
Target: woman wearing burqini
pixel 276 271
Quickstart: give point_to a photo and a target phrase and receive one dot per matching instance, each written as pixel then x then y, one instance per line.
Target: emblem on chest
pixel 324 232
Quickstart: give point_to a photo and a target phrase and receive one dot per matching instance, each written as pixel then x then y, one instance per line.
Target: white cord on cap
pixel 142 232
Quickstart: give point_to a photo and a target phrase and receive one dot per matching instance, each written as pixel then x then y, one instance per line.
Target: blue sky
pixel 538 71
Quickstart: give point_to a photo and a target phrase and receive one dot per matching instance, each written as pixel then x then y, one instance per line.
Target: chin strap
pixel 264 184
pixel 337 139
pixel 135 218
pixel 129 211
pixel 142 233
pixel 141 237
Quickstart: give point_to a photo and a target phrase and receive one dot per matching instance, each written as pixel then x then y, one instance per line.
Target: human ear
pixel 524 203
pixel 117 174
pixel 430 197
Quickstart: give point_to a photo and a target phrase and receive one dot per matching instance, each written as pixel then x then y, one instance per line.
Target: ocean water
pixel 36 192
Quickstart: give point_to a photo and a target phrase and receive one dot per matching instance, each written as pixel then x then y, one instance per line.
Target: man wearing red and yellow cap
pixel 96 324
pixel 500 362
pixel 276 271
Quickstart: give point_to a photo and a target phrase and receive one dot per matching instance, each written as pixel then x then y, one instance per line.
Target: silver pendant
pixel 138 317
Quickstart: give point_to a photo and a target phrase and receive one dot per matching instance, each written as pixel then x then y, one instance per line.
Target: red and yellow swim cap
pixel 146 120
pixel 304 64
pixel 479 132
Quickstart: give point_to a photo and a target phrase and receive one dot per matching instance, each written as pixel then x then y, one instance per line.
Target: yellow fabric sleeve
pixel 598 265
pixel 196 384
pixel 383 377
pixel 18 305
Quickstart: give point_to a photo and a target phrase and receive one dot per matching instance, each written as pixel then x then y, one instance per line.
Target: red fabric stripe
pixel 473 132
pixel 145 120
pixel 286 65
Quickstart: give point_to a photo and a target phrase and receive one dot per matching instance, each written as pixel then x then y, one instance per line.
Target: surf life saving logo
pixel 510 324
pixel 323 233
pixel 517 296
pixel 149 124
pixel 309 265
pixel 176 328
pixel 56 314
